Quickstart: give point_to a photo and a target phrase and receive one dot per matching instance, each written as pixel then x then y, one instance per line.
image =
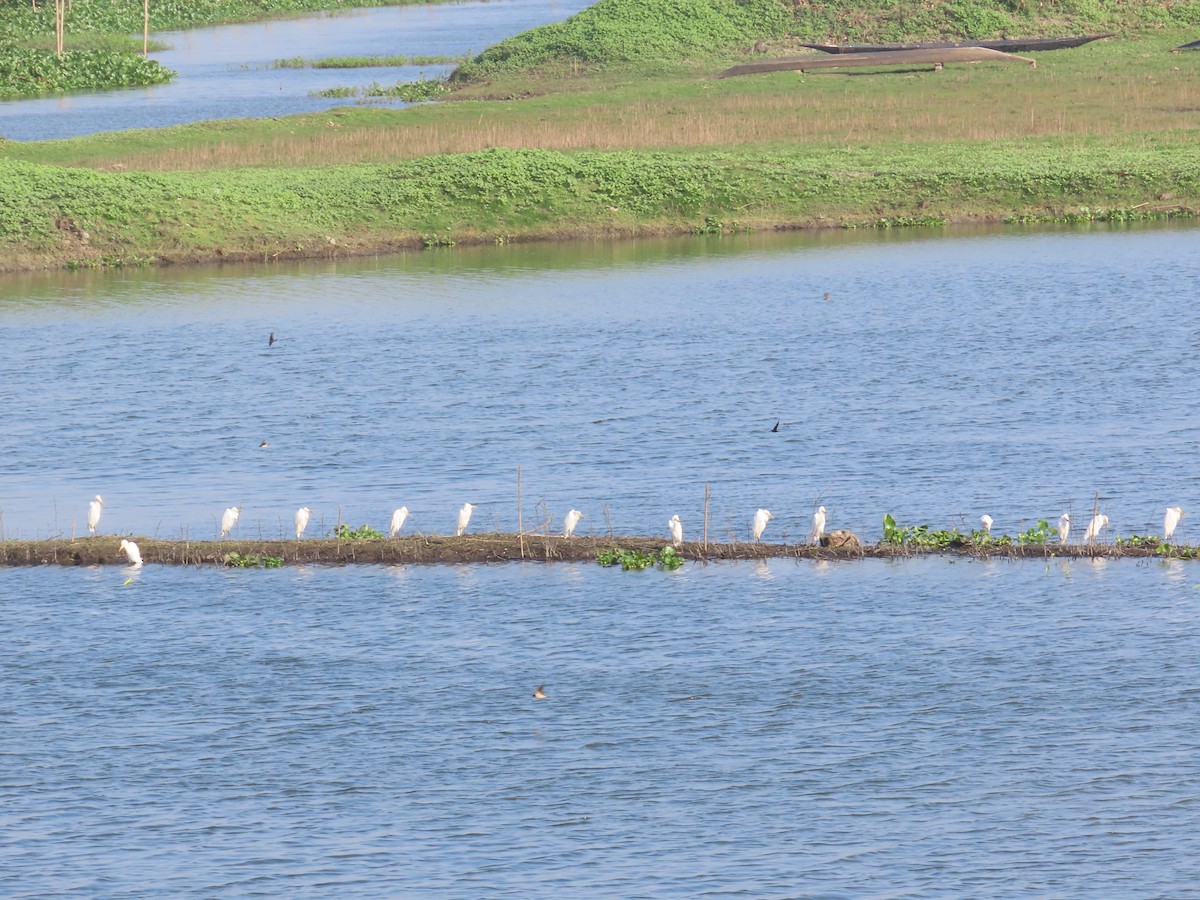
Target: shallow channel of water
pixel 225 72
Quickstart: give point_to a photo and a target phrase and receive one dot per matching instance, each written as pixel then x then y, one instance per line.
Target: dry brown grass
pixel 1085 97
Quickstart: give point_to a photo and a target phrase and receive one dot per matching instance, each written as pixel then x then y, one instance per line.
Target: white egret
pixel 302 515
pixel 571 521
pixel 1064 528
pixel 818 528
pixel 761 518
pixel 1171 521
pixel 132 553
pixel 229 519
pixel 94 513
pixel 676 530
pixel 1099 521
pixel 398 518
pixel 986 521
pixel 464 517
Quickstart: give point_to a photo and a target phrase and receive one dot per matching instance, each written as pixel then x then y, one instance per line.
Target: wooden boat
pixel 1007 45
pixel 935 57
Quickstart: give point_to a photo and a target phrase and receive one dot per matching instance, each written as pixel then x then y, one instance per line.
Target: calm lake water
pixel 914 729
pixel 225 73
pixel 918 728
pixel 945 377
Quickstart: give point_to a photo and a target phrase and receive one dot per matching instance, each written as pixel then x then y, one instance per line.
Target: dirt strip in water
pixel 490 548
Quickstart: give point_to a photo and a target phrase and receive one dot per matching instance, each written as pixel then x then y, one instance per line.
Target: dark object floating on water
pixel 271 339
pixel 1194 45
pixel 776 428
pixel 935 57
pixel 1007 45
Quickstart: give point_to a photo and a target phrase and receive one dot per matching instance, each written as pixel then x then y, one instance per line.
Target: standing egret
pixel 571 521
pixel 1098 522
pixel 761 518
pixel 818 528
pixel 676 530
pixel 986 521
pixel 464 517
pixel 1064 528
pixel 94 513
pixel 229 519
pixel 1171 521
pixel 302 515
pixel 132 553
pixel 398 518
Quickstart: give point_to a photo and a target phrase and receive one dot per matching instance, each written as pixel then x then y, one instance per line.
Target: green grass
pixel 363 62
pixel 623 31
pixel 649 146
pixel 498 194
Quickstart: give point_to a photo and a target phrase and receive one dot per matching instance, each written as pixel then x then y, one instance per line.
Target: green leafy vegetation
pixel 363 62
pixel 28 65
pixel 667 558
pixel 252 561
pixel 418 91
pixel 25 72
pixel 920 536
pixel 1040 533
pixel 344 532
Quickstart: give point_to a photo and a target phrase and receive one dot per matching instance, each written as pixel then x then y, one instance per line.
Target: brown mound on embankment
pixel 480 548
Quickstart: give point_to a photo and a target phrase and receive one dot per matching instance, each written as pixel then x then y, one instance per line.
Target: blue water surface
pixel 914 728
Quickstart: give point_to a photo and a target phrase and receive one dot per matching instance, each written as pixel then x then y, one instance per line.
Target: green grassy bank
pixel 61 216
pixel 536 147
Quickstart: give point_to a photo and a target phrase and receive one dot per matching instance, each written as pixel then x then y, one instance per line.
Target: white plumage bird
pixel 132 553
pixel 1064 528
pixel 398 518
pixel 229 519
pixel 1099 521
pixel 1171 521
pixel 302 515
pixel 761 518
pixel 571 521
pixel 676 528
pixel 464 518
pixel 818 526
pixel 986 521
pixel 94 513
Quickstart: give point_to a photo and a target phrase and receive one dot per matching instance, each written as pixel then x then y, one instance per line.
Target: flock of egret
pixel 758 524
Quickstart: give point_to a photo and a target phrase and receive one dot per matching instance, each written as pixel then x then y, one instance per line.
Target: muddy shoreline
pixel 495 548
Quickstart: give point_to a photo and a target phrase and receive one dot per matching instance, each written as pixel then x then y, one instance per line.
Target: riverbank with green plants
pixel 100 51
pixel 549 145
